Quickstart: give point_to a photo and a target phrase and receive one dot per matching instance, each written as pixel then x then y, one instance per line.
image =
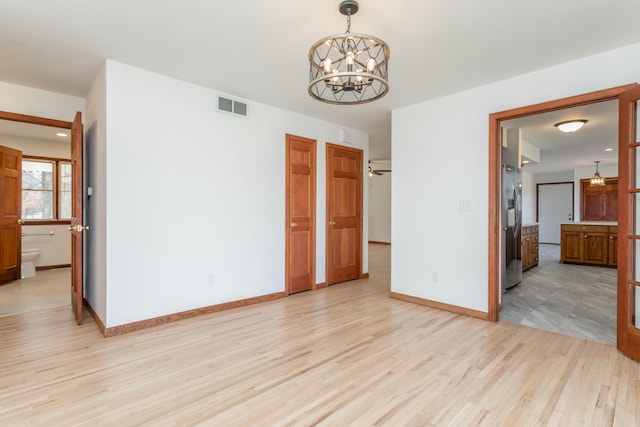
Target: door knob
pixel 20 222
pixel 332 223
pixel 294 224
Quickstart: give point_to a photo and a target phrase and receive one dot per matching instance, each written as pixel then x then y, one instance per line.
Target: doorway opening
pixel 496 122
pixel 569 296
pixel 44 213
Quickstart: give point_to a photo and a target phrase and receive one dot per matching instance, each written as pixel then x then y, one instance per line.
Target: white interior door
pixel 555 205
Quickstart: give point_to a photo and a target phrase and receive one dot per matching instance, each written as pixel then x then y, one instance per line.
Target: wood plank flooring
pixel 345 355
pixel 577 300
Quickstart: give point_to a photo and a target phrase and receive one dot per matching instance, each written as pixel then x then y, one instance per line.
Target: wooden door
pixel 344 213
pixel 76 226
pixel 628 340
pixel 10 213
pixel 300 251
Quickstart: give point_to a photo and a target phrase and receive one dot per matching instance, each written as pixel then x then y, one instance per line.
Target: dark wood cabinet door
pixel 599 203
pixel 595 248
pixel 571 246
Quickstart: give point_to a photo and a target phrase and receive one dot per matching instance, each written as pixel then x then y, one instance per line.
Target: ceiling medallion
pixel 348 69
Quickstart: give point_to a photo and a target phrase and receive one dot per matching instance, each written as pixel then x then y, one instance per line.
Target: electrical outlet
pixel 212 280
pixel 434 276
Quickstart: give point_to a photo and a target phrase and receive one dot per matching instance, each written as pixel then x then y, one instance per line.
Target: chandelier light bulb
pixel 327 65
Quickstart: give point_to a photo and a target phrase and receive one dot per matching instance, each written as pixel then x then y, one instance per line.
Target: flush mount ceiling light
pixel 597 180
pixel 570 125
pixel 348 69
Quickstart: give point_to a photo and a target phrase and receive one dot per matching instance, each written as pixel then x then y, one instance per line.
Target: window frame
pixel 56 191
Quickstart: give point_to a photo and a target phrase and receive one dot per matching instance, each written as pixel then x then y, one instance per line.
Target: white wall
pixel 95 156
pixel 564 176
pixel 528 198
pixel 193 193
pixel 431 234
pixel 380 208
pixel 40 103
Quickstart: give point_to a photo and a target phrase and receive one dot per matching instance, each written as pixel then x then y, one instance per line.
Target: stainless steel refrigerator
pixel 511 225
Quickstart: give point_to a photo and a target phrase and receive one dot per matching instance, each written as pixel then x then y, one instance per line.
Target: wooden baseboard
pixel 94 315
pixel 364 276
pixel 440 305
pixel 148 323
pixel 321 285
pixel 379 243
pixel 52 267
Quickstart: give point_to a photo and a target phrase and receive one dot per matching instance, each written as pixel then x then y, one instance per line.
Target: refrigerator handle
pixel 516 227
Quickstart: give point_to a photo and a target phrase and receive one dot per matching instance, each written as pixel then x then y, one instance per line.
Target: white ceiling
pixel 38 132
pixel 561 151
pixel 258 50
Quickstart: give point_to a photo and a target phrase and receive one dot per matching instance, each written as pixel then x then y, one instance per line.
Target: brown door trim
pixel 15 117
pixel 494 174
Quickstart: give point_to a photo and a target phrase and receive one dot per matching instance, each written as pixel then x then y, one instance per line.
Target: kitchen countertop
pixel 591 223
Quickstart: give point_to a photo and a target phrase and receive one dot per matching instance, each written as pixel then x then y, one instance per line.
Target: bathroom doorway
pixel 43 223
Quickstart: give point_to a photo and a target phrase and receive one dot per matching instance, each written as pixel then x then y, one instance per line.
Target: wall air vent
pixel 345 136
pixel 232 106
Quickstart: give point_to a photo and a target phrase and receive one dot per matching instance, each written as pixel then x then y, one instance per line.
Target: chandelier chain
pixel 348 21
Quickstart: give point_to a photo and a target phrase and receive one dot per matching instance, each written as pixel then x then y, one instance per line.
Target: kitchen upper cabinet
pixel 599 203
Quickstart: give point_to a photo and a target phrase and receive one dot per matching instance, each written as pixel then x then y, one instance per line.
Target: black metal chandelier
pixel 348 68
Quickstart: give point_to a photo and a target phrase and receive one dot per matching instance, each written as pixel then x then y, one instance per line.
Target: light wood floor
pixel 577 300
pixel 346 355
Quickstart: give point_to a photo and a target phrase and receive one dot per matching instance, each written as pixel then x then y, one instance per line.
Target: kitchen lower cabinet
pixel 588 244
pixel 529 246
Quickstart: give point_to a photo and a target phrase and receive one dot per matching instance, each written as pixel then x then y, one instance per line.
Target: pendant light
pixel 348 69
pixel 597 180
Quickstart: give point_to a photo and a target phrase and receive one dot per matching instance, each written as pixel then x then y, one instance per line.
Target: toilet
pixel 29 257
